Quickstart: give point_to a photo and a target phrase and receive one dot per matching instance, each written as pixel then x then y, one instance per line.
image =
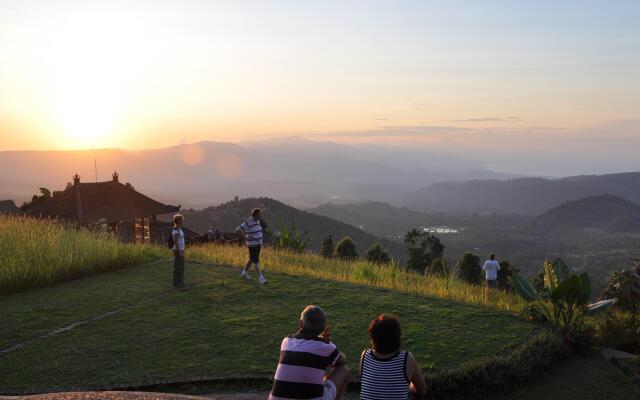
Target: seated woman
pixel 385 371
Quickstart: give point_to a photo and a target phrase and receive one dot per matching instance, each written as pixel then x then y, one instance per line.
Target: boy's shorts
pixel 254 254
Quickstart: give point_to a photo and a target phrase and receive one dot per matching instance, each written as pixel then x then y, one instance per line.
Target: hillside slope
pixel 143 331
pixel 228 216
pixel 605 212
pixel 385 220
pixel 522 195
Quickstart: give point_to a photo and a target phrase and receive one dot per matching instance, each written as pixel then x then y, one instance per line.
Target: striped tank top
pixel 384 379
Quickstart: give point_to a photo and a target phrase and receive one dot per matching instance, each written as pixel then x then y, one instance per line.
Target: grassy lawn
pixel 218 326
pixel 588 378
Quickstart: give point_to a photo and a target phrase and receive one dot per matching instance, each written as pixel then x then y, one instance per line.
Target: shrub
pixel 327 249
pixel 567 301
pixel 346 249
pixel 533 314
pixel 504 276
pixel 501 372
pixel 438 267
pixel 625 286
pixel 290 238
pixel 618 330
pixel 36 200
pixel 469 268
pixel 422 248
pixel 376 254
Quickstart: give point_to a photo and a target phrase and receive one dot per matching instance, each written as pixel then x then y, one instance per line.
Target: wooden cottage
pixel 128 213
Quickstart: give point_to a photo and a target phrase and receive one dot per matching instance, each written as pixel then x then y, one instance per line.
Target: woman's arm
pixel 418 385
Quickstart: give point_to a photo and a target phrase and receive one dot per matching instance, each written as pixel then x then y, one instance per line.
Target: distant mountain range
pixel 298 171
pixel 521 195
pixel 606 212
pixel 229 215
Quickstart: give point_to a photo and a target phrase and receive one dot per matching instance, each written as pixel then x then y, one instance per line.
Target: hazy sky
pixel 474 75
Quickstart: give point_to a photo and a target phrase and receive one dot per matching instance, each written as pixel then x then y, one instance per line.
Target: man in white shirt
pixel 178 251
pixel 491 268
pixel 252 229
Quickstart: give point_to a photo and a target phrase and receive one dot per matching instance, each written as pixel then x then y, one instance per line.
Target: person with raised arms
pixel 252 229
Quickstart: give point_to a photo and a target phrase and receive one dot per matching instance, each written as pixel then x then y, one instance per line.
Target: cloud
pixel 382 119
pixel 488 119
pixel 398 131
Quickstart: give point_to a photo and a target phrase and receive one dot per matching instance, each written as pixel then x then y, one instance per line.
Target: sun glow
pixel 86 111
pixel 88 91
pixel 83 76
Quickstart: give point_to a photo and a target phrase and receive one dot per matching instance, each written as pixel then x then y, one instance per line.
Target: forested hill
pixel 605 212
pixel 228 216
pixel 522 195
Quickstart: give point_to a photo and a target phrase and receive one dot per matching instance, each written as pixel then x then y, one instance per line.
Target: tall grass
pixel 37 253
pixel 361 272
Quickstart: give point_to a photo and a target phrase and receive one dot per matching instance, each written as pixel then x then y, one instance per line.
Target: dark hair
pixel 313 320
pixel 492 256
pixel 255 211
pixel 385 334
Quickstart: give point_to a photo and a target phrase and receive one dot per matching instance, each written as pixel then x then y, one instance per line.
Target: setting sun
pixel 86 112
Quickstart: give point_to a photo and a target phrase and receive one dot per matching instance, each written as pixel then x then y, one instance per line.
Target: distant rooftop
pixel 8 207
pixel 109 201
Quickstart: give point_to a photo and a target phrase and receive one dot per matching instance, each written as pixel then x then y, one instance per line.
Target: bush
pixel 582 340
pixel 566 302
pixel 438 267
pixel 346 249
pixel 625 286
pixel 504 276
pixel 327 249
pixel 422 248
pixel 290 238
pixel 533 314
pixel 619 331
pixel 502 372
pixel 469 269
pixel 376 254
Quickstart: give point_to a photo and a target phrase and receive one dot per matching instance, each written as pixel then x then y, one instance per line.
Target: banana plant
pixel 565 299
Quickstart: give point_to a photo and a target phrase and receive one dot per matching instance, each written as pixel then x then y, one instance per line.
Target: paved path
pixel 104 396
pixel 120 395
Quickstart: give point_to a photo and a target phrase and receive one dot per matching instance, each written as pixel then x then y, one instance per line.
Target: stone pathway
pixel 610 353
pixel 105 396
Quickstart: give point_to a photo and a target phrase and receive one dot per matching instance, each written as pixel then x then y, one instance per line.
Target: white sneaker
pixel 262 280
pixel 245 275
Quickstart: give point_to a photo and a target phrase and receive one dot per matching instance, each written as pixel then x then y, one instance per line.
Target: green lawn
pixel 585 378
pixel 218 326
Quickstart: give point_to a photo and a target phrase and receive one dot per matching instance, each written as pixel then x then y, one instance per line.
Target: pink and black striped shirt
pixel 303 363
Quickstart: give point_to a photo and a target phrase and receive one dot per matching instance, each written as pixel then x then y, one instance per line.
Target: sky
pixel 514 79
